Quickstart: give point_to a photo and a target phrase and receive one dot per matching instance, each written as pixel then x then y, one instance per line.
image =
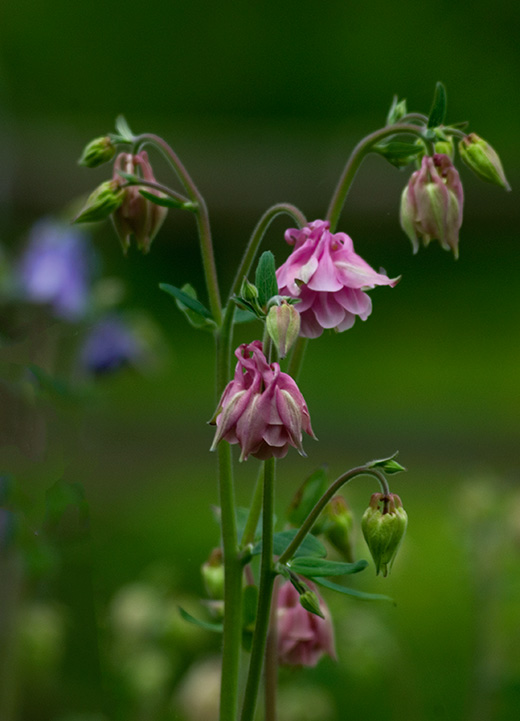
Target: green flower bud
pixel 97 152
pixel 384 529
pixel 213 574
pixel 283 326
pixel 310 602
pixel 483 160
pixel 106 198
pixel 338 524
pixel 445 147
pixel 248 291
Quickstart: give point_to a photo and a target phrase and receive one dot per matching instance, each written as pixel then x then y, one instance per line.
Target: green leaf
pixel 265 278
pixel 307 496
pixel 388 465
pixel 123 129
pixel 312 567
pixel 438 111
pixel 208 626
pixel 361 595
pixel 165 201
pixel 310 546
pixel 244 316
pixel 186 298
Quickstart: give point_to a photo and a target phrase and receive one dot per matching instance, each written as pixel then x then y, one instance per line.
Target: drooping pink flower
pixel 303 637
pixel 328 277
pixel 431 204
pixel 262 408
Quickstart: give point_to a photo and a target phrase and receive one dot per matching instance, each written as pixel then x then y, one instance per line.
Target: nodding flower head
pixel 137 216
pixel 328 277
pixel 303 637
pixel 262 408
pixel 431 204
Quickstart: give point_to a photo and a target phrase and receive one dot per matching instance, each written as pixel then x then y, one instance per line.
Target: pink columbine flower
pixel 262 408
pixel 303 637
pixel 328 277
pixel 431 204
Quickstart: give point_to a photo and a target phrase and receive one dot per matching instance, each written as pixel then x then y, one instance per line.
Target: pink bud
pixel 137 215
pixel 431 204
pixel 303 637
pixel 262 408
pixel 328 277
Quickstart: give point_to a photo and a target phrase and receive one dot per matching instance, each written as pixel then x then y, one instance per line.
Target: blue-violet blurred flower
pixel 111 344
pixel 54 269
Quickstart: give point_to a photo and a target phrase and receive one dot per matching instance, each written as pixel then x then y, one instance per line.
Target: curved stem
pixel 201 212
pixel 414 116
pixel 257 235
pixel 264 597
pixel 353 163
pixel 160 187
pixel 320 505
pixel 232 635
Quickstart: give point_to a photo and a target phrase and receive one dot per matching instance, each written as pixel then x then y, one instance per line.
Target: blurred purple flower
pixel 303 637
pixel 55 269
pixel 111 344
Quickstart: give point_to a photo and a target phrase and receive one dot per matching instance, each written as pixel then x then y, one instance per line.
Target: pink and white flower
pixel 262 408
pixel 303 637
pixel 328 277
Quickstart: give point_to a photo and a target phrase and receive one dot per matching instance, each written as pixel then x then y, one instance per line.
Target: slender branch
pixel 201 213
pixel 157 186
pixel 257 235
pixel 360 151
pixel 254 511
pixel 232 589
pixel 320 505
pixel 297 355
pixel 264 597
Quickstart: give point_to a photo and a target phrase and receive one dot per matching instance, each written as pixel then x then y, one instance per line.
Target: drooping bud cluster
pixel 384 525
pixel 137 216
pixel 262 408
pixel 431 204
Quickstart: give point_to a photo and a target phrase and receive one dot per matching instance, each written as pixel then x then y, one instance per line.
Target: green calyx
pixel 384 525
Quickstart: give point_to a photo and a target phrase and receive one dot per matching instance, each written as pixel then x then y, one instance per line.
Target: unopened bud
pixel 483 160
pixel 338 524
pixel 445 147
pixel 283 326
pixel 213 574
pixel 384 529
pixel 310 602
pixel 137 216
pixel 97 152
pixel 248 291
pixel 105 199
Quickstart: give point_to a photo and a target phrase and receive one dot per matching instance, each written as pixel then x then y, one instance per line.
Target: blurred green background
pixel 263 102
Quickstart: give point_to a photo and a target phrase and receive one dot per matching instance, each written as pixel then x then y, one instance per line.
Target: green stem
pixel 201 213
pixel 264 597
pixel 257 235
pixel 297 356
pixel 255 510
pixel 360 151
pixel 320 505
pixel 232 588
pixel 161 188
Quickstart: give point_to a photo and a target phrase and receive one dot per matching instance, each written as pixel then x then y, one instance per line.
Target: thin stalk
pixel 161 188
pixel 320 505
pixel 297 356
pixel 264 597
pixel 255 510
pixel 257 235
pixel 232 588
pixel 360 151
pixel 201 213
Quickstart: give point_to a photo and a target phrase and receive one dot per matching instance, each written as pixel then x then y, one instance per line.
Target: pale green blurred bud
pixel 105 199
pixel 384 529
pixel 310 602
pixel 213 574
pixel 283 326
pixel 397 111
pixel 248 291
pixel 445 147
pixel 97 152
pixel 338 525
pixel 483 160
